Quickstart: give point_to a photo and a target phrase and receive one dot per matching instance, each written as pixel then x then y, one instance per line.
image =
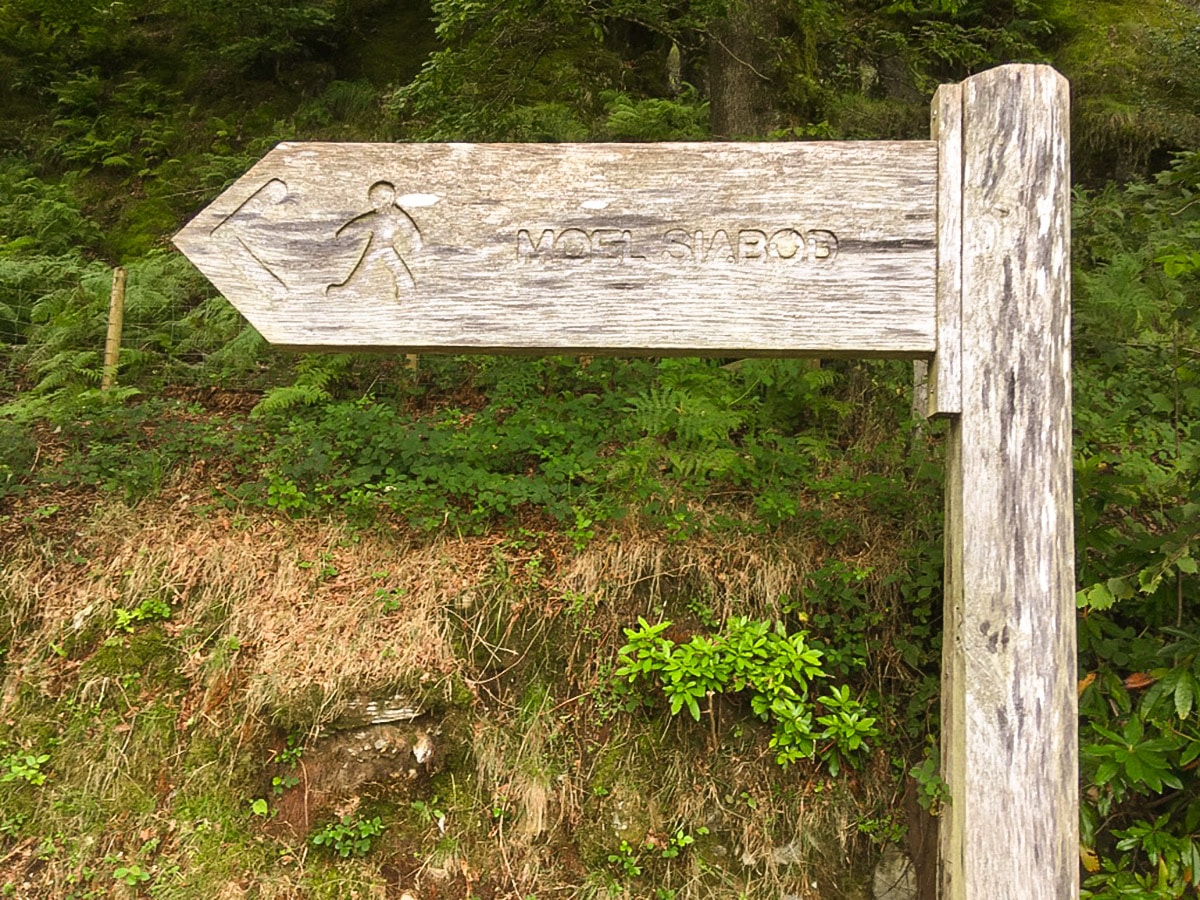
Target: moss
pixel 461 696
pixel 1134 71
pixel 78 644
pixel 147 655
pixel 220 851
pixel 307 707
pixel 619 807
pixel 140 229
pixel 343 881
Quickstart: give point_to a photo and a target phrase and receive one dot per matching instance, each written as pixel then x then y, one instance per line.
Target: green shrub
pixel 778 670
pixel 1137 383
pixel 350 836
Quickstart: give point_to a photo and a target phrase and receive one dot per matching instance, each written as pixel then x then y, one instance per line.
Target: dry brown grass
pixel 284 623
pixel 299 607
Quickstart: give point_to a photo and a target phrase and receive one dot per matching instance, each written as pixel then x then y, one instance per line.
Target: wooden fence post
pixel 1009 745
pixel 116 322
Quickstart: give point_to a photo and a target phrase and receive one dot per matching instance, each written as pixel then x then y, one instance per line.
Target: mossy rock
pixel 618 809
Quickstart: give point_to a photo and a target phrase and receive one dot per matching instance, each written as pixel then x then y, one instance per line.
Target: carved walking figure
pixel 390 235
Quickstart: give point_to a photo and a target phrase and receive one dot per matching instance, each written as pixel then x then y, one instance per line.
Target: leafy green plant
pixel 845 727
pixel 883 830
pixel 626 860
pixel 18 450
pixel 348 836
pixel 932 791
pixel 682 119
pixel 1138 497
pixel 131 875
pixel 25 767
pixel 429 812
pixel 150 610
pixel 774 667
pixel 680 840
pixel 582 532
pixel 1140 761
pixel 290 754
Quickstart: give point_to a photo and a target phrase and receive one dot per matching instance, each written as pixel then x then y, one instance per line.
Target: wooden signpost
pixel 953 252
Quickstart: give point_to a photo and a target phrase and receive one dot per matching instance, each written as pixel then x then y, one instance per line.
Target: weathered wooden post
pixel 1003 374
pixel 116 321
pixel 953 251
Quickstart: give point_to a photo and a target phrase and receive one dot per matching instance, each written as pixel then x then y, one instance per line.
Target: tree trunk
pixel 740 62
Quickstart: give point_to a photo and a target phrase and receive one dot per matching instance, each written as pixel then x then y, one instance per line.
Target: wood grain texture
pixel 944 397
pixel 783 249
pixel 1009 746
pixel 945 373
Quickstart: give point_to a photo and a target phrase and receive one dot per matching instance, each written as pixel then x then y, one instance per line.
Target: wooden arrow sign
pixel 782 249
pixel 958 249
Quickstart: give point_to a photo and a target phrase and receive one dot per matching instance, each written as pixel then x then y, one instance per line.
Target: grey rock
pixel 895 878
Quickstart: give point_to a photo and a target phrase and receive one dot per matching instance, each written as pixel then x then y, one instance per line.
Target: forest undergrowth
pixel 349 625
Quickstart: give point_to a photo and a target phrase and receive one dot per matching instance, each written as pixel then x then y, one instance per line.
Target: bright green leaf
pixel 1184 696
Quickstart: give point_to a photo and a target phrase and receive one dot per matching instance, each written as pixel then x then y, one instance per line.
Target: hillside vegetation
pixel 365 626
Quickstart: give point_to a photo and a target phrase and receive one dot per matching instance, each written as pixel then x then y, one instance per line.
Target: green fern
pixel 314 376
pixel 682 119
pixel 655 411
pixel 57 309
pixel 40 218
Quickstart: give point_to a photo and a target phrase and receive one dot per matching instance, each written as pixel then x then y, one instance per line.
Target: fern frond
pixel 67 367
pixel 281 398
pixel 655 412
pixel 314 375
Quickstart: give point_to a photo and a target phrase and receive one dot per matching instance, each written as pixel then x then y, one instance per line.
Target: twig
pixel 737 58
pixel 304 771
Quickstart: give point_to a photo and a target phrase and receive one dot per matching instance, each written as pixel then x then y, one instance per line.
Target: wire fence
pixel 61 324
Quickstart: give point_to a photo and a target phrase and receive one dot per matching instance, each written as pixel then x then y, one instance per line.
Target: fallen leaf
pixel 1139 680
pixel 1088 857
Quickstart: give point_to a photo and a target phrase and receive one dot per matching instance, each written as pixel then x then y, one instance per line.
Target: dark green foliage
pixel 18 449
pixel 1138 483
pixel 844 69
pixel 39 219
pixel 558 435
pixel 460 466
pixel 133 450
pixel 351 836
pixel 59 311
pixel 1134 70
pixel 684 119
